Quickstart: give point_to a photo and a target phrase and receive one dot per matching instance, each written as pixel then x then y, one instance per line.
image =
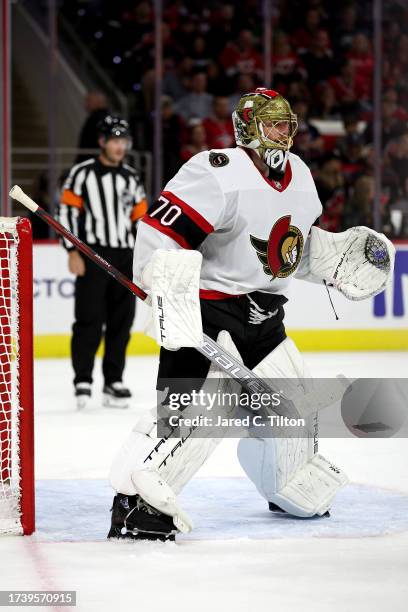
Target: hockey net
pixel 16 378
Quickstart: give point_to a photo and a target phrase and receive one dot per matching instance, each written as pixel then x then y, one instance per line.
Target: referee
pixel 101 202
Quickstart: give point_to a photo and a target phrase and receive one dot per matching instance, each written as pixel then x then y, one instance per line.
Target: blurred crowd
pixel 322 61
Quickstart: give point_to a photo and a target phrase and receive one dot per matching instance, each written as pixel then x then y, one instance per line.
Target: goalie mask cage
pixel 16 378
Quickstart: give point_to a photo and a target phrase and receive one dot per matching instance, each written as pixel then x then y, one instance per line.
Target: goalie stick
pixel 210 349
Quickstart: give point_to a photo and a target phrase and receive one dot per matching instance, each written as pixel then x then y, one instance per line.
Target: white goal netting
pixel 10 492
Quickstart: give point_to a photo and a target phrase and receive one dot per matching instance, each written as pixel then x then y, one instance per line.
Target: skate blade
pixel 116 534
pixel 114 402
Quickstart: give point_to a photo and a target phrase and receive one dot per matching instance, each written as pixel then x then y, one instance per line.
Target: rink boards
pixel 380 323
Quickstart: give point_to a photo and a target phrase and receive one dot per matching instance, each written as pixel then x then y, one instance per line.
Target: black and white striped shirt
pixel 101 204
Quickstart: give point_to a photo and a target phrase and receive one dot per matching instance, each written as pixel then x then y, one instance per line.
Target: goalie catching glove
pixel 358 262
pixel 172 278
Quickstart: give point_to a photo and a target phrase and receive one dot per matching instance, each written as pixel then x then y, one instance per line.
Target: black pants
pixel 254 341
pixel 102 305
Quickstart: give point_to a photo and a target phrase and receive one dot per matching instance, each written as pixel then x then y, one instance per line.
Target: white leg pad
pixel 158 469
pixel 284 475
pixel 308 395
pixel 312 489
pixel 287 471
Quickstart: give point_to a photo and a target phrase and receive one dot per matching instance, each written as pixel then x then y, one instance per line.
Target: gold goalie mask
pixel 263 121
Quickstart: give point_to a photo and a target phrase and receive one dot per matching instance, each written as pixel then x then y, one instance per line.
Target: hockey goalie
pixel 216 253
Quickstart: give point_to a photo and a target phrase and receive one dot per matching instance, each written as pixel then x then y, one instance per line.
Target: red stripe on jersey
pixel 208 294
pixel 165 229
pixel 190 212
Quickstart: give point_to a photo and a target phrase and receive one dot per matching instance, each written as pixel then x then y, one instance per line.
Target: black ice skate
pixel 134 519
pixel 116 395
pixel 83 392
pixel 278 510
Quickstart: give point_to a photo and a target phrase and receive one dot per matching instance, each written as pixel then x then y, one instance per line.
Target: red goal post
pixel 17 506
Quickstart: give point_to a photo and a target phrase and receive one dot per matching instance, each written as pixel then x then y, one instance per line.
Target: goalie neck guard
pixel 263 121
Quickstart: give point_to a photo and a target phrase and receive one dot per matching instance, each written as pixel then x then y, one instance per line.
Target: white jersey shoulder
pixel 250 229
pixel 224 166
pixel 301 174
pixel 198 186
pixel 231 170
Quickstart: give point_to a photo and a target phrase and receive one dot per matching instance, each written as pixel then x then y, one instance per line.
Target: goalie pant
pixel 255 323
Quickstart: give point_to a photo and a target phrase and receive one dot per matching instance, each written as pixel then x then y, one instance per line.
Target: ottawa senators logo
pixel 281 253
pixel 218 160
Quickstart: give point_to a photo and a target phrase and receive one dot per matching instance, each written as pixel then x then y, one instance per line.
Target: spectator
pixel 148 90
pixel 345 29
pixel 331 189
pixel 244 84
pixel 137 21
pixel 352 156
pixel 360 206
pixel 351 128
pixel 217 83
pixel 171 137
pixel 400 61
pixel 218 127
pixel 318 60
pixel 350 90
pixel 241 56
pixel 308 142
pixel 223 26
pixel 197 140
pixel 390 95
pixel 249 16
pixel 198 103
pixel 174 13
pixel 392 127
pixel 298 90
pixel 396 156
pixel 141 56
pixel 392 34
pixel 286 63
pixel 303 38
pixel 186 33
pixel 96 105
pixel 171 47
pixel 177 77
pixel 326 106
pixel 131 51
pixel 360 55
pixel 200 55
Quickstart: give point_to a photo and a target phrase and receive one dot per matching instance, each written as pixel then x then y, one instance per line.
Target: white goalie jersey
pixel 250 230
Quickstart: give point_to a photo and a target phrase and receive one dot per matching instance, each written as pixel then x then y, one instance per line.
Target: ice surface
pixel 240 556
pixel 221 508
